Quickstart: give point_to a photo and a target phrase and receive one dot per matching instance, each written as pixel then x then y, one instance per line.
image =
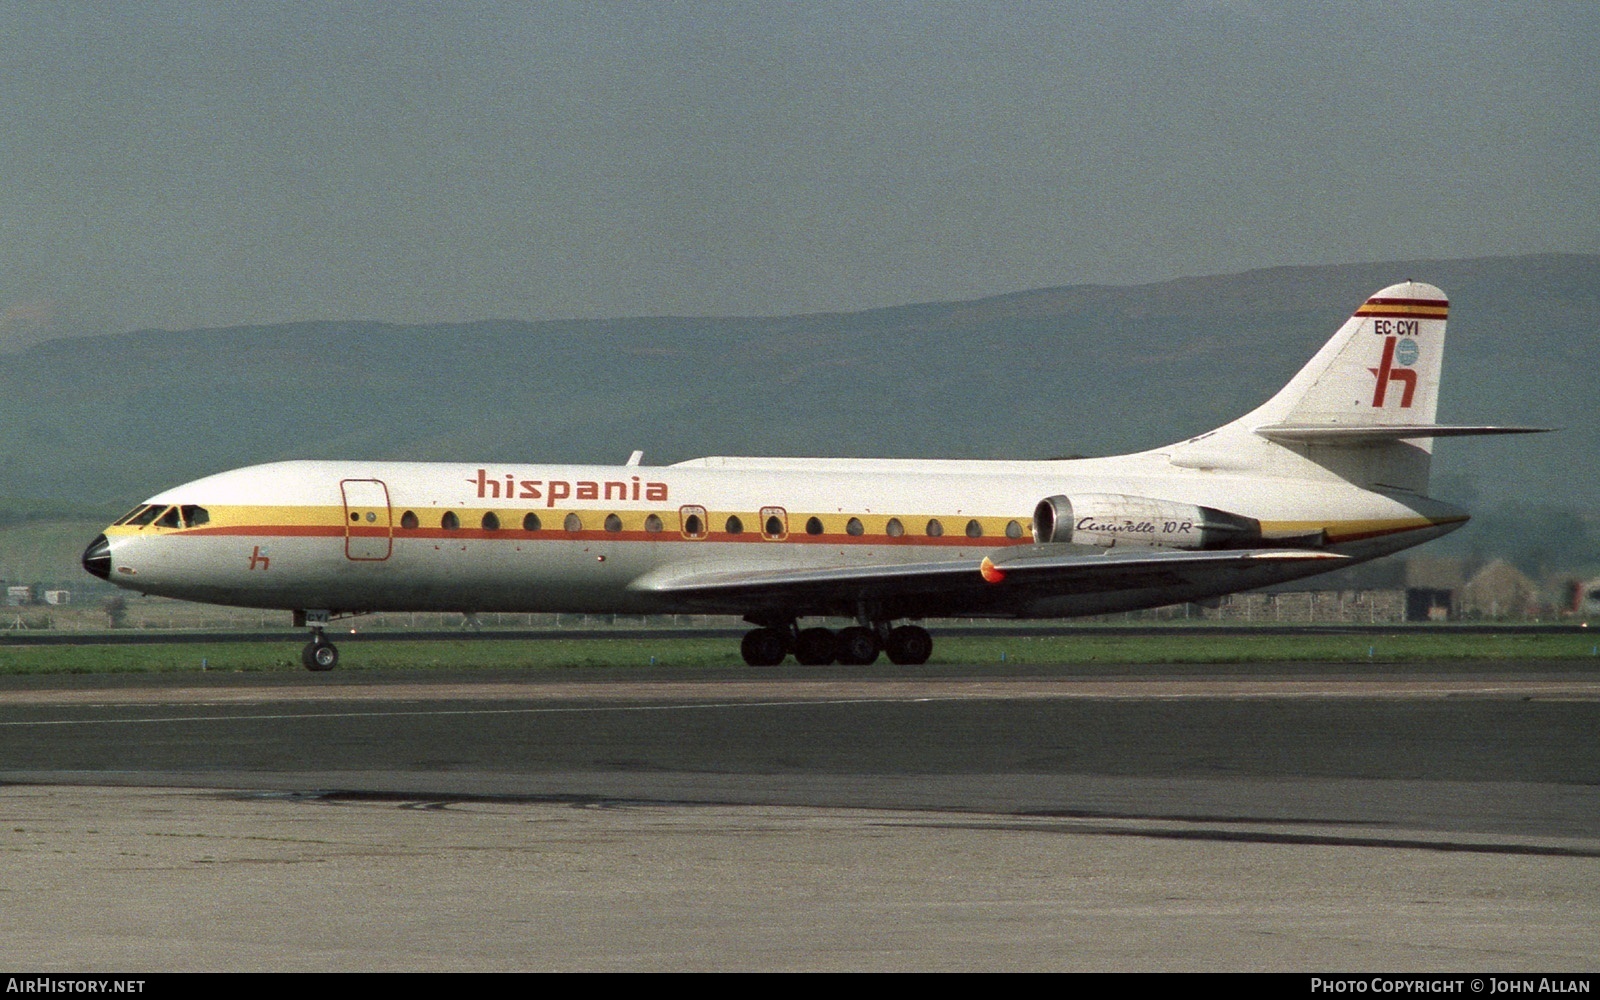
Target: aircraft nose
pixel 97 558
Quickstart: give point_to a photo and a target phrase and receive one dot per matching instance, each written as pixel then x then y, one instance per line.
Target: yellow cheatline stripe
pixel 835 525
pixel 998 530
pixel 242 516
pixel 1346 530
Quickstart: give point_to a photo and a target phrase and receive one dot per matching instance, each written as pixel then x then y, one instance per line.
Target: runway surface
pixel 156 637
pixel 1242 816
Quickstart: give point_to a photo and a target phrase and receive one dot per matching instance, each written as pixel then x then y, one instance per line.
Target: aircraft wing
pixel 1000 583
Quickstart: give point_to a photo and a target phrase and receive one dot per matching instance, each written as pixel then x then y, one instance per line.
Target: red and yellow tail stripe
pixel 1405 308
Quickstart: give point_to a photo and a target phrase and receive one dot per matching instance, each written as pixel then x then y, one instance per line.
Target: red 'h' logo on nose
pixel 1387 373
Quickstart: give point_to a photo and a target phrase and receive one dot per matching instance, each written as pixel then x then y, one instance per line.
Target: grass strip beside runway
pixel 565 654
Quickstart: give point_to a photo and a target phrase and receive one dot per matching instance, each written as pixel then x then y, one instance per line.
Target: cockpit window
pixel 130 515
pixel 194 516
pixel 169 519
pixel 147 515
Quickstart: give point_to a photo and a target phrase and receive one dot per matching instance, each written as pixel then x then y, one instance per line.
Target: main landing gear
pixel 855 646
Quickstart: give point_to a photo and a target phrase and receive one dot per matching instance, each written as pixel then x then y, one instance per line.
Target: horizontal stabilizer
pixel 1357 434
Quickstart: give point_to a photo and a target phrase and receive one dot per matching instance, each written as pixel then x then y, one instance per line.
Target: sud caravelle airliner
pixel 1331 471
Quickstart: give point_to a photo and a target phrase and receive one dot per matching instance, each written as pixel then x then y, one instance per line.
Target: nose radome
pixel 97 558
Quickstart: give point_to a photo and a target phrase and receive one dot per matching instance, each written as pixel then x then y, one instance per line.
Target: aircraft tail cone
pixel 97 558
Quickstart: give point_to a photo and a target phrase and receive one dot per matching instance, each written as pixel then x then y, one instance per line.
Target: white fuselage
pixel 396 536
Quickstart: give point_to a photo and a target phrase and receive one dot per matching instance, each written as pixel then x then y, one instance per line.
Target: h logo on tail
pixel 1388 372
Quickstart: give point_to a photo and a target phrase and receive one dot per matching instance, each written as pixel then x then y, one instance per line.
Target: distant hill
pixel 1076 370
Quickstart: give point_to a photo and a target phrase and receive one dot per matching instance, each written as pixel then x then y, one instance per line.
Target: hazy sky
pixel 206 164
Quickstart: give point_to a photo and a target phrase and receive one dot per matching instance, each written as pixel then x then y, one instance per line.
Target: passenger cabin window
pixel 450 522
pixel 613 523
pixel 408 520
pixel 194 516
pixel 735 526
pixel 854 526
pixel 531 523
pixel 935 529
pixel 692 522
pixel 652 524
pixel 491 521
pixel 813 526
pixel 974 529
pixel 573 523
pixel 1013 529
pixel 169 519
pixel 774 524
pixel 894 529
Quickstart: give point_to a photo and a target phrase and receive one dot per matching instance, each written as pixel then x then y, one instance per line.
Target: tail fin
pixel 1362 409
pixel 1380 369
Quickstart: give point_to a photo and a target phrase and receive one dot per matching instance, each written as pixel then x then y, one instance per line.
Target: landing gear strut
pixel 319 654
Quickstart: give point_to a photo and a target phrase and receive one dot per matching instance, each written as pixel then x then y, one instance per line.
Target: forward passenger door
pixel 368 524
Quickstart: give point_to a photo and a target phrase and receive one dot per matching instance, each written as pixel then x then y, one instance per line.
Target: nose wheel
pixel 319 654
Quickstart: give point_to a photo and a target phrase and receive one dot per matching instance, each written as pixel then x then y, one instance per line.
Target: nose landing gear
pixel 319 654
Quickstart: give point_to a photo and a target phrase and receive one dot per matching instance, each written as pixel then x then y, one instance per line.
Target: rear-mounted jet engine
pixel 1108 519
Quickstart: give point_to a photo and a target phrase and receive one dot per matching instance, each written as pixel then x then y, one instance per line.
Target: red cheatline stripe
pixel 559 534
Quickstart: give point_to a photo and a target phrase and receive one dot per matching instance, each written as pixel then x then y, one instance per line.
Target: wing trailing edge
pixel 1005 579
